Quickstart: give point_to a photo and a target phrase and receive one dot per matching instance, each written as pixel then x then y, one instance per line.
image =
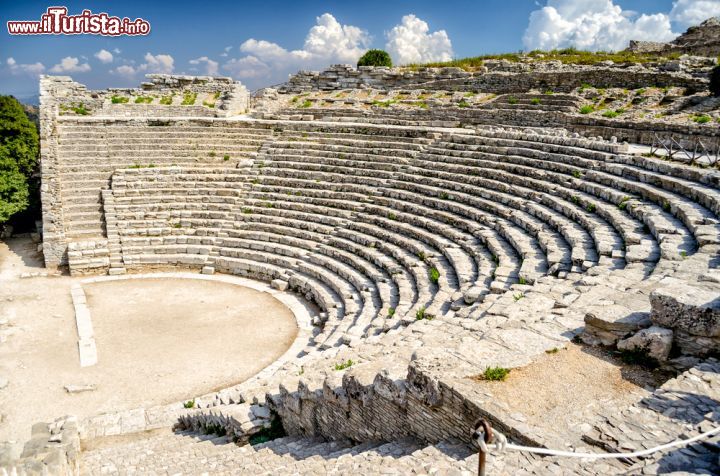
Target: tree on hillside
pixel 375 58
pixel 19 149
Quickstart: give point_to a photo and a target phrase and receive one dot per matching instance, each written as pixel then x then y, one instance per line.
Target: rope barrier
pixel 494 438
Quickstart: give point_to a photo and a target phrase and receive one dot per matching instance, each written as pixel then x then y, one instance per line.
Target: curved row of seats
pixel 88 153
pixel 380 229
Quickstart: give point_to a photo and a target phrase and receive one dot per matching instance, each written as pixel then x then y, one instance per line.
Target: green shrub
pixel 375 58
pixel 463 104
pixel 701 118
pixel 434 275
pixel 189 404
pixel 19 150
pixel 512 100
pixel 391 312
pixel 119 99
pixel 495 374
pixel 306 104
pixel 344 365
pixel 189 98
pixel 611 114
pixel 166 100
pixel 535 101
pixel 387 103
pixel 226 157
pixel 392 216
pixel 715 81
pixel 587 109
pixel 143 99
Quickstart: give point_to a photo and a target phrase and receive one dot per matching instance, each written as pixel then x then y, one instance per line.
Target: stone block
pixel 657 341
pixel 693 309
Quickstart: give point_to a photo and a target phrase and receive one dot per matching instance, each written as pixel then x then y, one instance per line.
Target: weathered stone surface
pixel 657 341
pixel 692 308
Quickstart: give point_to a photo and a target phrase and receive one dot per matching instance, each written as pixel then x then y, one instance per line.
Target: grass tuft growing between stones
pixel 420 315
pixel 495 374
pixel 344 365
pixel 189 404
pixel 189 99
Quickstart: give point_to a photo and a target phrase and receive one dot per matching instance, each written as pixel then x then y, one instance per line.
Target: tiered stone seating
pixel 185 453
pixel 535 102
pixel 380 228
pixel 90 151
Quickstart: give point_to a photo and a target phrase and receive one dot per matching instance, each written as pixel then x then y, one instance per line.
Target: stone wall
pixel 497 77
pixel 53 448
pixel 75 99
pixel 90 256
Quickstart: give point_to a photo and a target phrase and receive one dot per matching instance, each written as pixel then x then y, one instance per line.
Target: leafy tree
pixel 375 58
pixel 19 148
pixel 715 81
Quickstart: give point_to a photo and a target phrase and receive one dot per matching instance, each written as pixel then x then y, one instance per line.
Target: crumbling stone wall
pixel 498 77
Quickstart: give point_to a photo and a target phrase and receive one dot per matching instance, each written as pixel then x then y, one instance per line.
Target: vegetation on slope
pixel 19 149
pixel 566 55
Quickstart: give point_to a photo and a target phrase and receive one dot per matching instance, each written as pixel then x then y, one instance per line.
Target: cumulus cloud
pixel 412 42
pixel 158 64
pixel 70 64
pixel 31 69
pixel 327 42
pixel 104 56
pixel 693 12
pixel 124 70
pixel 211 67
pixel 592 25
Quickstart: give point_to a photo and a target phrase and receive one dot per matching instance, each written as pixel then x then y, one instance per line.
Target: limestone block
pixel 693 309
pixel 279 284
pixel 657 341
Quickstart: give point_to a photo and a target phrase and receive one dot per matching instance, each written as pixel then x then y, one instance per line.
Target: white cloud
pixel 693 12
pixel 70 64
pixel 124 70
pixel 327 42
pixel 117 51
pixel 411 42
pixel 104 56
pixel 158 64
pixel 592 25
pixel 211 67
pixel 32 69
pixel 247 67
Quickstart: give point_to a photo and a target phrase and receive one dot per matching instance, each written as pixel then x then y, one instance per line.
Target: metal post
pixel 487 436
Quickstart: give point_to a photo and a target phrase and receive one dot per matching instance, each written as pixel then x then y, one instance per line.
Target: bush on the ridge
pixel 715 81
pixel 375 58
pixel 19 147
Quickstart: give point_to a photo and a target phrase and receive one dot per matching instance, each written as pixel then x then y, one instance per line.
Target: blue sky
pixel 191 37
